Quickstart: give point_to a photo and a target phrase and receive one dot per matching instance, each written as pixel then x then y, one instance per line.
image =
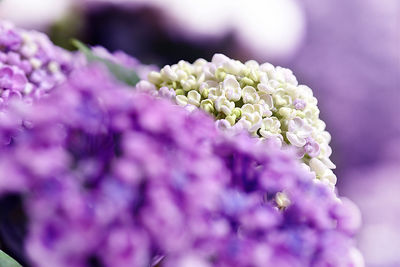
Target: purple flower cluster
pixel 112 177
pixel 30 65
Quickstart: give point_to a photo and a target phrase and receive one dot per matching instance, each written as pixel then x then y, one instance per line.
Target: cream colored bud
pixel 194 98
pixel 154 77
pixel 224 105
pixel 207 105
pixel 181 100
pixel 168 73
pixel 282 200
pixel 231 119
pixel 249 95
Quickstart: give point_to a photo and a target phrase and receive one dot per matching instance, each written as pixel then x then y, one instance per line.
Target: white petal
pixel 247 108
pixel 250 95
pixel 219 59
pixel 328 163
pixel 194 98
pixel 267 67
pixel 145 86
pixel 181 100
pixel 230 82
pixel 168 73
pixel 295 140
pixel 318 167
pixel 243 124
pixel 232 67
pixel 232 88
pixel 266 99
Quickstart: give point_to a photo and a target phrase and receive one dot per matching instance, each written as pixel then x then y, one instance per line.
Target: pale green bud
pixel 220 74
pixel 237 112
pixel 207 105
pixel 179 92
pixel 246 81
pixel 231 119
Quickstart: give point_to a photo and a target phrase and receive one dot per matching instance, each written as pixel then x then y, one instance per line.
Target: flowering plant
pixel 265 100
pixel 103 175
pixel 112 177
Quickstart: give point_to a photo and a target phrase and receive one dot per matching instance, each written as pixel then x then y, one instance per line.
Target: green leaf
pixel 122 73
pixel 7 261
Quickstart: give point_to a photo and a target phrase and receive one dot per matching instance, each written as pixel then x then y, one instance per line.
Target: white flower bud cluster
pixel 265 100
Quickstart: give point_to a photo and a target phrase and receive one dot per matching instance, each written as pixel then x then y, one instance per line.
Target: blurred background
pixel 347 51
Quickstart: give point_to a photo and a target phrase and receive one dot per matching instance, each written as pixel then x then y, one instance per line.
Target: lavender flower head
pixel 30 65
pixel 263 99
pixel 113 177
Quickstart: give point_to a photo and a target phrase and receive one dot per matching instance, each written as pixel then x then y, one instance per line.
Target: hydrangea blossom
pixel 112 177
pixel 265 100
pixel 30 65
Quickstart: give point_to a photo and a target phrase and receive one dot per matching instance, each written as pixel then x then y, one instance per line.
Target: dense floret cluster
pixel 113 177
pixel 30 65
pixel 263 99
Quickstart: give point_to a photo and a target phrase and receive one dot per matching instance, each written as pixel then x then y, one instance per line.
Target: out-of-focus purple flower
pixel 30 65
pixel 112 177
